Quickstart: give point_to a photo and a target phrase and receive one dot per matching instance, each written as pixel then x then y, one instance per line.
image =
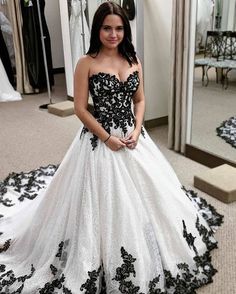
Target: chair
pixel 231 62
pixel 214 51
pixel 221 63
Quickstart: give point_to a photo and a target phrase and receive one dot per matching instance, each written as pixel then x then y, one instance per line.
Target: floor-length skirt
pixel 104 222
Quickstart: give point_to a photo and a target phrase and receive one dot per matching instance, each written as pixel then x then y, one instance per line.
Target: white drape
pixel 76 31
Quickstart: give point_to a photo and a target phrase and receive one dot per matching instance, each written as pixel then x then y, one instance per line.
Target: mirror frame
pixel 197 154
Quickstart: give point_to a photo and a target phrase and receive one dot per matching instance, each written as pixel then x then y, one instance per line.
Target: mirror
pixel 214 82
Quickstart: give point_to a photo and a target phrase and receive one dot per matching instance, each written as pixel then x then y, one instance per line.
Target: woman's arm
pixel 81 94
pixel 139 101
pixel 139 108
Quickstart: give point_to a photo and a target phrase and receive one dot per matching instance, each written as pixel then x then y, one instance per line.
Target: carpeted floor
pixel 211 106
pixel 31 138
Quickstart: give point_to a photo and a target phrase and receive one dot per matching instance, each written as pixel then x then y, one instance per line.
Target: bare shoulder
pixel 83 64
pixel 139 68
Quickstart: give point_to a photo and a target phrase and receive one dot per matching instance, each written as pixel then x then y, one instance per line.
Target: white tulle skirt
pixel 7 93
pixel 104 222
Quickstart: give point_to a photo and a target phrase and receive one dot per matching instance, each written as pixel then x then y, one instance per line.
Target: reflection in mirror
pixel 214 87
pixel 79 29
pixel 80 16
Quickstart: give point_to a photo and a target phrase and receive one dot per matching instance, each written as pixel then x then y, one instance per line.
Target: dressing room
pixel 117 146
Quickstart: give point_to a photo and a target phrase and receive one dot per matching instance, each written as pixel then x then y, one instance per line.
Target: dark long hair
pixel 125 48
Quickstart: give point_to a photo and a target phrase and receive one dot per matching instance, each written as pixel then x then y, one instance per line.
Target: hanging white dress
pixel 105 222
pixel 7 35
pixel 7 92
pixel 76 31
pixel 204 19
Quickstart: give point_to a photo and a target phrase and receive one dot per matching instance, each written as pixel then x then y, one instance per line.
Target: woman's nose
pixel 113 33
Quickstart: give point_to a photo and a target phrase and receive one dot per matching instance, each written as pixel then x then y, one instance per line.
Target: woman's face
pixel 112 31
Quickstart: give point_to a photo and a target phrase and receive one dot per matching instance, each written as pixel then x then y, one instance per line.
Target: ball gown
pixel 105 221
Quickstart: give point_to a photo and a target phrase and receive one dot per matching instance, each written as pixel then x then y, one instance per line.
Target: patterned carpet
pixel 227 131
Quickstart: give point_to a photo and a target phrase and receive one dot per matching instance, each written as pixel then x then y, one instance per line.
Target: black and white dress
pixel 105 221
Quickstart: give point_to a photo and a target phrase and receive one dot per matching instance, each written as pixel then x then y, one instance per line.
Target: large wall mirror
pixel 213 125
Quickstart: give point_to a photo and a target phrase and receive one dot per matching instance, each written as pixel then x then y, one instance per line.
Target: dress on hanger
pixel 7 93
pixel 7 34
pixel 33 44
pixel 106 222
pixel 76 31
pixel 204 19
pixel 4 55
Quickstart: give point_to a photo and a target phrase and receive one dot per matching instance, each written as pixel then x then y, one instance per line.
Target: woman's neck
pixel 109 52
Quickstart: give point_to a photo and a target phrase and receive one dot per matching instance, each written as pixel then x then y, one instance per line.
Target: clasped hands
pixel 115 143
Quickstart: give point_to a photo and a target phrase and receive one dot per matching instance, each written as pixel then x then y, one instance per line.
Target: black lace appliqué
pixel 8 278
pixel 189 238
pixel 27 185
pixel 112 101
pixel 185 282
pixel 104 286
pixel 207 235
pixel 124 271
pixel 59 278
pixel 227 131
pixel 90 286
pixel 92 283
pixel 209 213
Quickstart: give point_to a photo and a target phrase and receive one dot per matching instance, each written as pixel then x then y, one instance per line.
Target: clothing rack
pixel 82 23
pixel 44 106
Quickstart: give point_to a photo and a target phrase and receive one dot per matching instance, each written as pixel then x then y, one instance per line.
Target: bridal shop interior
pixel 40 44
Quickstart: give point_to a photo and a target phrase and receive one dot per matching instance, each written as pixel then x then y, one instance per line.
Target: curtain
pixel 179 75
pixel 15 16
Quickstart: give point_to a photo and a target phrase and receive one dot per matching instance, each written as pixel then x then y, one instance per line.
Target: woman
pixel 114 218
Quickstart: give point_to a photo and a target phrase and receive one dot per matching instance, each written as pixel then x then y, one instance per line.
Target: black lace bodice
pixel 112 101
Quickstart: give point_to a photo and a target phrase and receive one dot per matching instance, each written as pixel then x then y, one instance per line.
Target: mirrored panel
pixel 214 86
pixel 76 20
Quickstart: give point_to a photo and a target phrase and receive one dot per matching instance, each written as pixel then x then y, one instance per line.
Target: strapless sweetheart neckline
pixel 107 74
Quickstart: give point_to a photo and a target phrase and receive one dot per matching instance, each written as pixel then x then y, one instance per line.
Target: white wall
pixel 228 15
pixel 52 14
pixel 157 44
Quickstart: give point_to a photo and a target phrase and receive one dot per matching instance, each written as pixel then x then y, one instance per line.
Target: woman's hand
pixel 115 143
pixel 132 140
